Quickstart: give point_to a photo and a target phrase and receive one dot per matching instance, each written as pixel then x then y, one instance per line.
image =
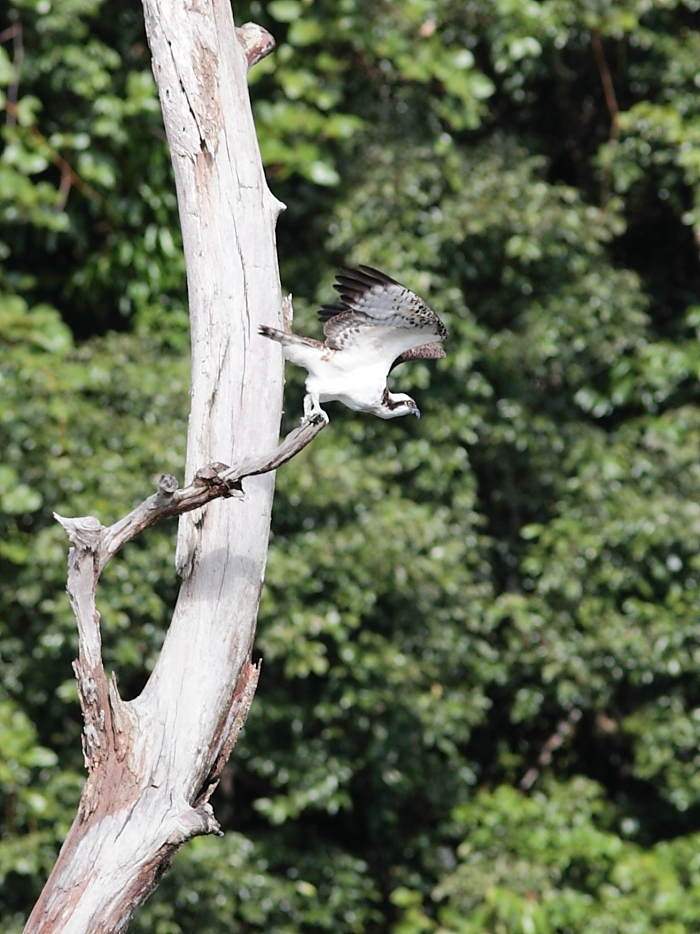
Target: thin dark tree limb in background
pixel 613 109
pixel 69 177
pixel 14 32
pixel 565 728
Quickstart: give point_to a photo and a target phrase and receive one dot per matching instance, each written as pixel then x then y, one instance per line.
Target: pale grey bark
pixel 153 762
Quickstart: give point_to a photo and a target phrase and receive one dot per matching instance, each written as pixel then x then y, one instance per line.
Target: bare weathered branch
pixel 215 481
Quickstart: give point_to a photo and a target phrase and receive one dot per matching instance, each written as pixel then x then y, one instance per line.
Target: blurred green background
pixel 479 708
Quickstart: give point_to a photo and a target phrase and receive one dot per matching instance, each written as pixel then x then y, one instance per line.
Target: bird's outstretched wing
pixel 378 315
pixel 424 352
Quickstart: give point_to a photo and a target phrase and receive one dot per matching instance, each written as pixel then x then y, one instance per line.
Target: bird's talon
pixel 315 418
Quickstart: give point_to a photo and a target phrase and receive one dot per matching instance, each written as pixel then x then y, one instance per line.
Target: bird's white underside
pixel 357 374
pixel 377 321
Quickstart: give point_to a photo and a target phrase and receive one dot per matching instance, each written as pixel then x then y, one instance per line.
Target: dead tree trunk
pixel 153 762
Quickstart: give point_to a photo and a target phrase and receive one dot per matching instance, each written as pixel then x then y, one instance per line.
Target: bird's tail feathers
pixel 288 339
pixel 273 333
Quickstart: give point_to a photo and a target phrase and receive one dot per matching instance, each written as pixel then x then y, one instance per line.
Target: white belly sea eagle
pixel 377 325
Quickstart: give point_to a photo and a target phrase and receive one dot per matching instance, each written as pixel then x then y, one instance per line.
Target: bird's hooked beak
pixel 416 412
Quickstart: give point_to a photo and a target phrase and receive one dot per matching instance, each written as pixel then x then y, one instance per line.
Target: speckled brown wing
pixel 375 308
pixel 424 352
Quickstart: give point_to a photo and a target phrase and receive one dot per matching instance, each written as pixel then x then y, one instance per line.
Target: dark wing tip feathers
pixel 378 275
pixel 352 284
pixel 357 281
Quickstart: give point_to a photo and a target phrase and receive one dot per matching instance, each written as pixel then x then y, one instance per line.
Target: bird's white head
pixel 398 403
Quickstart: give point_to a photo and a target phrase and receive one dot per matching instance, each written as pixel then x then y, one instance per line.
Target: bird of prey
pixel 377 325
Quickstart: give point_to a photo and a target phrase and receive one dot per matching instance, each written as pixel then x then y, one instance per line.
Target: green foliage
pixel 234 885
pixel 91 216
pixel 547 863
pixel 479 703
pixel 37 800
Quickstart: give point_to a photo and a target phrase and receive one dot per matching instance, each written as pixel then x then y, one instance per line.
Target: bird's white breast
pixel 359 385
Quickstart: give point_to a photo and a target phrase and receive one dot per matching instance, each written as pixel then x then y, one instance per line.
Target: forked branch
pixel 106 716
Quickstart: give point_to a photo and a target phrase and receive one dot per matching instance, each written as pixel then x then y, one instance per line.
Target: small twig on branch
pixel 612 105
